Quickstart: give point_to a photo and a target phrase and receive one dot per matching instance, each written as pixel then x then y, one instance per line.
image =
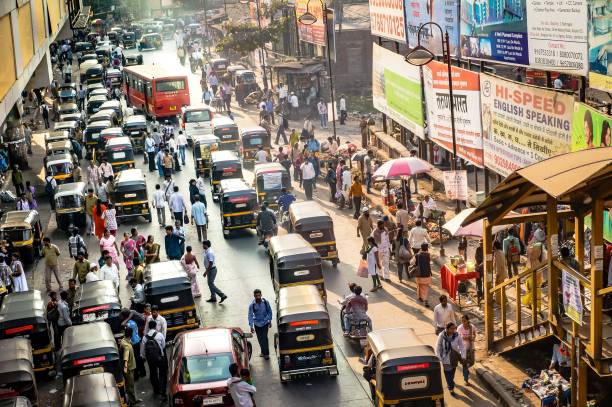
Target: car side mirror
pixel 247 335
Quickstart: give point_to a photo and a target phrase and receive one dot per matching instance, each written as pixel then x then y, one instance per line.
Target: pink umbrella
pixel 401 167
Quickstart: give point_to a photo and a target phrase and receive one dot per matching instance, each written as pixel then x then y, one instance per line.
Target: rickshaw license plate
pixel 209 401
pixel 227 136
pixel 89 317
pixel 102 316
pixel 99 369
pixel 172 107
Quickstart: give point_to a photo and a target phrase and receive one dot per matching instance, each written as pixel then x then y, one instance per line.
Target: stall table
pixel 451 276
pixel 545 388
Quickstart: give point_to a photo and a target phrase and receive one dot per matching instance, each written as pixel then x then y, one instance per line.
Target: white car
pixel 197 120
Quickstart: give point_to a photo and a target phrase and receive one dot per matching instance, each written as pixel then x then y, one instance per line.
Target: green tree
pixel 247 37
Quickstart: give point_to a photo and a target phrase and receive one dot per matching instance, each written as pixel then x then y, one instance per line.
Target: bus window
pixel 169 85
pixel 149 90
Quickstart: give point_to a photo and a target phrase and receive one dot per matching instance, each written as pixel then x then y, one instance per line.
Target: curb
pixel 498 388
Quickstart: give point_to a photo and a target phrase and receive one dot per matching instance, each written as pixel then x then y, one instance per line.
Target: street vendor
pixel 561 359
pixel 428 205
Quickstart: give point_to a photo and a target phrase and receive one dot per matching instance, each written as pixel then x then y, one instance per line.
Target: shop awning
pixel 299 67
pixel 81 20
pixel 570 178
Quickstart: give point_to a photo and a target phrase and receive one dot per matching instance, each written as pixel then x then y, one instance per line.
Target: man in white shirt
pixel 428 205
pixel 308 178
pixel 181 142
pixel 201 185
pixel 417 236
pixel 177 205
pixel 161 325
pixel 261 156
pixel 118 51
pixel 281 89
pixel 347 181
pixel 159 203
pixel 342 108
pixel 333 145
pixel 105 170
pixel 168 187
pixel 443 314
pixel 240 390
pixel 295 105
pixel 149 147
pixel 158 369
pixel 110 272
pixel 91 275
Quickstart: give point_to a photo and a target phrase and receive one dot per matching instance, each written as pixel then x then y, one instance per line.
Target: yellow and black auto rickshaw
pixel 238 203
pixel 167 285
pixel 92 135
pixel 135 127
pixel 24 229
pixel 58 147
pixel 17 371
pixel 55 135
pixel 269 180
pixel 225 165
pixel 315 225
pixel 119 152
pixel 293 261
pixel 23 314
pixel 219 66
pixel 93 389
pixel 203 146
pixel 252 138
pixel 150 41
pixel 304 343
pixel 130 196
pixel 70 205
pixel 401 370
pixel 227 131
pixel 73 127
pixel 116 107
pixel 91 348
pixel 97 301
pixel 68 107
pixel 60 167
pixel 105 136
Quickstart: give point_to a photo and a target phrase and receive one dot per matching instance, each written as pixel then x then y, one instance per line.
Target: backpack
pixel 514 253
pixel 153 352
pixel 49 190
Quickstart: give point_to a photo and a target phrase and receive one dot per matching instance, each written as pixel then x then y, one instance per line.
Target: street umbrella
pixel 358 156
pixel 401 167
pixel 473 229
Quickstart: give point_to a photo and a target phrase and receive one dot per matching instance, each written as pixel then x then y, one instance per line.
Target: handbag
pixel 186 218
pixel 404 254
pixel 362 268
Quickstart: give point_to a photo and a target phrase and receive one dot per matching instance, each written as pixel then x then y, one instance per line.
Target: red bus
pixel 155 90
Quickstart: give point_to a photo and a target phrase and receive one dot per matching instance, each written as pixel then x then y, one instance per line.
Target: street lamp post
pixel 261 53
pixel 309 19
pixel 420 56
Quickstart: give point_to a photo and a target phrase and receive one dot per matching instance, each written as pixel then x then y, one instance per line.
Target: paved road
pixel 243 266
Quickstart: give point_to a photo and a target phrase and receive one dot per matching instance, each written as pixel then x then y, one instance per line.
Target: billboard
pixel 544 35
pixel 590 128
pixel 600 44
pixel 396 89
pixel 466 96
pixel 314 33
pixel 445 13
pixel 522 124
pixel 387 19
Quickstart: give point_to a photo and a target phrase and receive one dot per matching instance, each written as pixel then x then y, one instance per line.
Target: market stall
pixel 550 388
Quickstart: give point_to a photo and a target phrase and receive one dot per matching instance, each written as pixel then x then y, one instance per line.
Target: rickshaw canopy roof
pixel 94 86
pixel 220 121
pixel 308 212
pixel 98 126
pixel 252 131
pixel 105 114
pixel 165 274
pixel 59 159
pixel 300 302
pixel 92 390
pixel 96 293
pixel 68 106
pixel 16 370
pixel 61 144
pixel 24 219
pixel 269 167
pixel 205 139
pixel 71 124
pixel 70 118
pixel 398 346
pixel 88 337
pixel 71 188
pixel 224 156
pixel 135 120
pixel 97 98
pixel 236 186
pixel 293 248
pixel 153 36
pixel 132 176
pixel 112 131
pixel 119 141
pixel 56 135
pixel 14 349
pixel 244 72
pixel 235 68
pixel 111 104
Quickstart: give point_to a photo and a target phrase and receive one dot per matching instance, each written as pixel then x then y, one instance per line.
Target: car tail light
pixel 94 309
pixel 413 366
pixel 18 329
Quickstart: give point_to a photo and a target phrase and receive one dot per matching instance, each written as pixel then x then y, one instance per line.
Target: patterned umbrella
pixel 401 167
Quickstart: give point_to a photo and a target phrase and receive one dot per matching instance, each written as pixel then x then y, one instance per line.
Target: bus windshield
pixel 170 85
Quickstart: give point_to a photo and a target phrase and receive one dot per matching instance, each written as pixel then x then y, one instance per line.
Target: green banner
pixel 403 95
pixel 590 128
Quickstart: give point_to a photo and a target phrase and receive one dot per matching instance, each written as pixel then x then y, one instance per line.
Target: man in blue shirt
pixel 211 273
pixel 127 317
pixel 198 217
pixel 260 320
pixel 173 244
pixel 285 200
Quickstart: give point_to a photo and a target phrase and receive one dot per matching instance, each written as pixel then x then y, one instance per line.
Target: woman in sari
pixel 128 247
pixel 99 224
pixel 151 251
pixel 108 242
pixel 190 265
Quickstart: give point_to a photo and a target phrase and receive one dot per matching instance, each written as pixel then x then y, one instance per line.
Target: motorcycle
pixel 195 64
pixel 265 236
pixel 358 329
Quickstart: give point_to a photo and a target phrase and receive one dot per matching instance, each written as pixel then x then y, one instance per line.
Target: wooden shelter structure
pixel 568 189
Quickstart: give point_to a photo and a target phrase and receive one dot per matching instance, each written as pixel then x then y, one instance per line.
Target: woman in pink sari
pixel 128 246
pixel 107 242
pixel 190 265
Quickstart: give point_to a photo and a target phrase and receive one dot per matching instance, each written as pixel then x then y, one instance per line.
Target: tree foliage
pixel 245 37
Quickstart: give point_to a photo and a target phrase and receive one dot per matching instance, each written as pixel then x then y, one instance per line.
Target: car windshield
pixel 195 116
pixel 69 201
pixel 205 368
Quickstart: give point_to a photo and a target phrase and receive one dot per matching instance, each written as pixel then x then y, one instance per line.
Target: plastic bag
pixel 362 269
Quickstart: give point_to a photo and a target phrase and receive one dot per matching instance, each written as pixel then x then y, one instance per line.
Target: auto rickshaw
pixel 401 370
pixel 18 401
pixel 245 84
pixel 24 229
pixel 105 136
pixel 130 197
pixel 58 148
pixel 304 343
pixel 70 205
pixel 203 146
pixel 60 167
pixel 55 135
pixel 93 389
pixel 150 41
pixel 167 285
pixel 133 59
pixel 238 203
pixel 103 54
pixel 67 93
pixel 17 370
pixel 168 31
pixel 91 348
pixel 219 65
pixel 83 48
pixel 231 73
pixel 224 165
pixel 120 153
pixel 93 74
pixel 113 37
pixel 23 315
pixel 269 179
pixel 115 76
pixel 135 127
pixel 88 56
pixel 252 138
pixel 92 135
pixel 293 261
pixel 74 122
pixel 97 92
pixel 97 301
pixel 66 108
pixel 129 40
pixel 227 131
pixel 315 225
pixel 94 86
pixel 115 106
pixel 107 114
pixel 94 102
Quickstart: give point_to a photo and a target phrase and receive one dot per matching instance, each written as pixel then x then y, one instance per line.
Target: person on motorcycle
pixel 343 302
pixel 355 310
pixel 196 59
pixel 285 200
pixel 266 222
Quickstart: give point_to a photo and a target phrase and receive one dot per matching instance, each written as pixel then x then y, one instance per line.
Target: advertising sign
pixel 445 13
pixel 466 95
pixel 572 302
pixel 456 185
pixel 522 124
pixel 396 89
pixel 387 19
pixel 313 33
pixel 590 128
pixel 600 44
